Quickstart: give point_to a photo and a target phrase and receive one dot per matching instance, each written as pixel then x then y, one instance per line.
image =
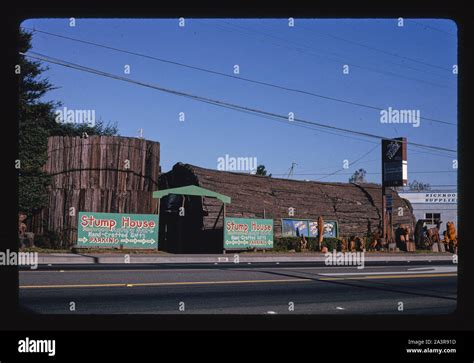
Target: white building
pixel 434 206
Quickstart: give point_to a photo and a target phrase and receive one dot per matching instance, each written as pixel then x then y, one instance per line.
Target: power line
pixel 216 102
pixel 378 173
pixel 223 104
pixel 309 172
pixel 353 163
pixel 210 71
pixel 435 185
pixel 376 49
pixel 401 65
pixel 315 52
pixel 432 28
pixel 430 153
pixel 316 128
pixel 278 118
pixel 312 128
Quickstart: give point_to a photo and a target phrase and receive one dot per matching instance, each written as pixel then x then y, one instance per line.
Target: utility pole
pixel 292 169
pixel 384 211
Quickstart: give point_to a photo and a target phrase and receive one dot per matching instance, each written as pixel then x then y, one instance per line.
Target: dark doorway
pixel 181 230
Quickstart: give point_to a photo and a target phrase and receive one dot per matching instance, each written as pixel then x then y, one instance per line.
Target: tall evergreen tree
pixel 261 170
pixel 37 121
pixel 358 177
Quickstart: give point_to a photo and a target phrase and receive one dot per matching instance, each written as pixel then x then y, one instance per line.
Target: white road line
pixel 434 269
pixel 446 269
pixel 211 269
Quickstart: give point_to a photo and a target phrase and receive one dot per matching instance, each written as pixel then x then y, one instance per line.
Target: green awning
pixel 192 190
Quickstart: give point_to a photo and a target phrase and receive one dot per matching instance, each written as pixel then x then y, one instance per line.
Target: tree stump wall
pixel 97 174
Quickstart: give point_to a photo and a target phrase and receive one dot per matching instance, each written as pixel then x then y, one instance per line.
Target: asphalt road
pixel 240 289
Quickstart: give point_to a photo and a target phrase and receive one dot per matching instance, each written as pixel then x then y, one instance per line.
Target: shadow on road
pixel 347 283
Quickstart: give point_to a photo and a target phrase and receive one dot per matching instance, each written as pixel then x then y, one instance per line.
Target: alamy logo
pixel 71 116
pixel 345 259
pixel 394 116
pixel 28 345
pixel 230 163
pixel 12 258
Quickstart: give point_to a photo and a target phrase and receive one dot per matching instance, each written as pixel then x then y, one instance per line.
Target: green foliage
pixel 416 185
pixel 294 243
pixel 358 176
pixel 37 122
pixel 33 190
pixel 332 243
pixel 312 243
pixel 100 128
pixel 49 240
pixel 262 171
pixel 286 244
pixel 368 241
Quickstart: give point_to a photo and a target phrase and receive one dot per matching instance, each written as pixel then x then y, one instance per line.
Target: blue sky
pixel 309 56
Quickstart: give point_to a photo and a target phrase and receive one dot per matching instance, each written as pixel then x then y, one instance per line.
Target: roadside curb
pixel 46 259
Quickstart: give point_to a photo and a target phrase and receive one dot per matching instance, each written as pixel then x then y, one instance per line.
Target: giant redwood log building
pixel 120 174
pixel 357 208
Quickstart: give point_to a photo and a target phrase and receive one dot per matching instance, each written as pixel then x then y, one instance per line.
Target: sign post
pixel 394 174
pixel 223 225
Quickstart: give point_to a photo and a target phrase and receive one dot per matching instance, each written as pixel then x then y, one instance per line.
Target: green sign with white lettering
pixel 243 233
pixel 117 230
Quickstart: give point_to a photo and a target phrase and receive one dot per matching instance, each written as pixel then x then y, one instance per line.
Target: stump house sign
pixel 117 230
